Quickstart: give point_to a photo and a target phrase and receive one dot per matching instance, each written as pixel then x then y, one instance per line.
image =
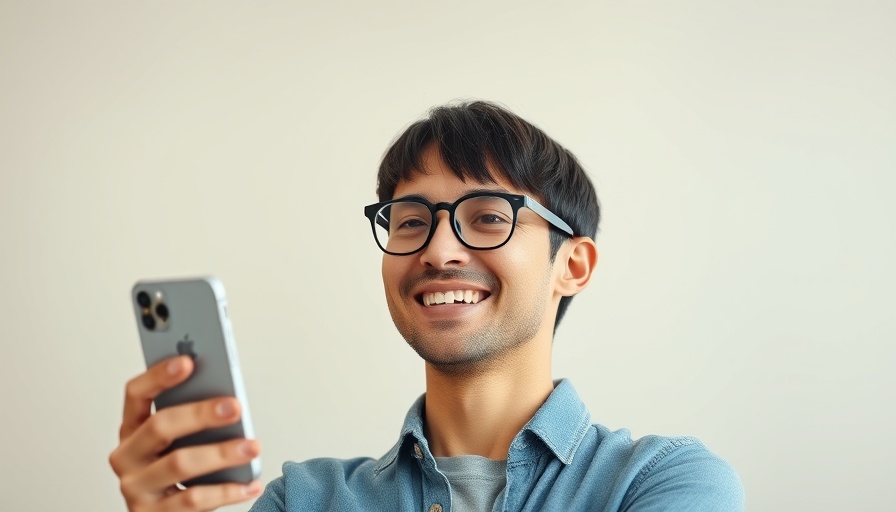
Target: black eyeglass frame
pixel 516 201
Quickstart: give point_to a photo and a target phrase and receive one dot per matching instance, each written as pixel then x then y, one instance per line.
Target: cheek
pixel 392 271
pixel 527 265
pixel 387 274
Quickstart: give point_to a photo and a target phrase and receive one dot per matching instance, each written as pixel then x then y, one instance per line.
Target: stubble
pixel 473 350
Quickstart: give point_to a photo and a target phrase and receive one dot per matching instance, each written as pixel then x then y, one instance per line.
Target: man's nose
pixel 444 249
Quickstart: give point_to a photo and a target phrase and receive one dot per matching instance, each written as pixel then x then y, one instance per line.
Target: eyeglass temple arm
pixel 547 215
pixel 376 216
pixel 382 221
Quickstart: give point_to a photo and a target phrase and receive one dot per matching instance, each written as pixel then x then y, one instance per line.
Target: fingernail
pixel 247 449
pixel 225 408
pixel 252 489
pixel 174 367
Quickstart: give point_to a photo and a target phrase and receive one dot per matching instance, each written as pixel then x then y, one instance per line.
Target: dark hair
pixel 471 135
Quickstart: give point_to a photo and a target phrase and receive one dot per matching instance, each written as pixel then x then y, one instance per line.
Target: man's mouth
pixel 430 299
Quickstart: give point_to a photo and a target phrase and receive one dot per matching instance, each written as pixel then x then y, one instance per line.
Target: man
pixel 487 230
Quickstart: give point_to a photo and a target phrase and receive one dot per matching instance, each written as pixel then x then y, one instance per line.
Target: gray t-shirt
pixel 475 481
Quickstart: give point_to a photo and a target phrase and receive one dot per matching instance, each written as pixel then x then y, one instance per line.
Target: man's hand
pixel 148 480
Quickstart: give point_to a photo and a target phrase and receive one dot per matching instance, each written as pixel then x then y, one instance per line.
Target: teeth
pixel 451 297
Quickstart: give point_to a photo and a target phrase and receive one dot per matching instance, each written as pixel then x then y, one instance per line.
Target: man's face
pixel 513 282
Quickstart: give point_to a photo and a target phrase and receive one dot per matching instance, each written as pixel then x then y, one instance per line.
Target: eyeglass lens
pixel 482 222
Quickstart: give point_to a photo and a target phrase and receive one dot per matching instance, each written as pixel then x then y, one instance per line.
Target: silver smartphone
pixel 189 317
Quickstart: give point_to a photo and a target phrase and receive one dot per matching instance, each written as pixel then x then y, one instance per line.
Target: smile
pixel 452 297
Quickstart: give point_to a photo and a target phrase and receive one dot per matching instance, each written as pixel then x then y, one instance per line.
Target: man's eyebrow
pixel 411 196
pixel 473 191
pixel 494 189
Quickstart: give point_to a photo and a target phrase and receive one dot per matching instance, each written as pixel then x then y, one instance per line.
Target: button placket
pixel 436 490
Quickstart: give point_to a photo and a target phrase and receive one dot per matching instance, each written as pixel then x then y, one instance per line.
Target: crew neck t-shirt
pixel 475 481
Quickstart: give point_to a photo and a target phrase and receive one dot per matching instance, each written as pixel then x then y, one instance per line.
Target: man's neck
pixel 480 413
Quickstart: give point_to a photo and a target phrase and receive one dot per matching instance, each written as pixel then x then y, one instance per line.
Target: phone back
pixel 189 317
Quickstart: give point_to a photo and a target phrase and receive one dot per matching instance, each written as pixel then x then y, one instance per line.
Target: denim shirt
pixel 559 461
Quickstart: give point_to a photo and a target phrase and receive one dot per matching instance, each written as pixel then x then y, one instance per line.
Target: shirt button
pixel 419 454
pixel 435 508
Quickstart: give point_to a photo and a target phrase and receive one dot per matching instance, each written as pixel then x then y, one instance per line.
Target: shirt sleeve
pixel 686 476
pixel 271 500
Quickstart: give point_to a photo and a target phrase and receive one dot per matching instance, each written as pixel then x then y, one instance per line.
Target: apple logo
pixel 185 347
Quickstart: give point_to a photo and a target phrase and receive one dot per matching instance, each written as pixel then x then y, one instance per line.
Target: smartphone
pixel 189 317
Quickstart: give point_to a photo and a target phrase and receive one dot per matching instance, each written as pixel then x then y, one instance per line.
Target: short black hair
pixel 470 135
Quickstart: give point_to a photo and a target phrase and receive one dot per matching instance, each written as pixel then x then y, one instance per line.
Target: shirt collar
pixel 560 423
pixel 413 427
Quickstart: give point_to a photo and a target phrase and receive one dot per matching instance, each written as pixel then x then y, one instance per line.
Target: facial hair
pixel 517 322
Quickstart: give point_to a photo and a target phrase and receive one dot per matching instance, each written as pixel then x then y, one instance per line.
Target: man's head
pixel 467 147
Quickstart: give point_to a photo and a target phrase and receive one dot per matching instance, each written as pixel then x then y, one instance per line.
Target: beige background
pixel 743 152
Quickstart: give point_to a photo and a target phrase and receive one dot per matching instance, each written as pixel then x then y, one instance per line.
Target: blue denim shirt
pixel 558 462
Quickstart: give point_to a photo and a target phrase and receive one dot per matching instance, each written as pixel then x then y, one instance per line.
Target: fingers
pixel 147 480
pixel 150 487
pixel 162 428
pixel 188 463
pixel 210 497
pixel 143 389
pixel 139 394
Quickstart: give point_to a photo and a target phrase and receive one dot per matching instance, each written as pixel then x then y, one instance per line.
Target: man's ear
pixel 580 259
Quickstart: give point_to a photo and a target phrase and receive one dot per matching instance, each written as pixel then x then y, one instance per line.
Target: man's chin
pixel 439 332
pixel 452 325
pixel 453 351
pixel 458 364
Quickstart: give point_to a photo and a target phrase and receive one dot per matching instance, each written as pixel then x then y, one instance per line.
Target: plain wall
pixel 743 153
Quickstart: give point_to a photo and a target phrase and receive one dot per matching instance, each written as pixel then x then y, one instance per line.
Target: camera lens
pixel 143 299
pixel 162 311
pixel 149 322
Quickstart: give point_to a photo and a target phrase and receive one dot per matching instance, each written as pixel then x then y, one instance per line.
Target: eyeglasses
pixel 481 220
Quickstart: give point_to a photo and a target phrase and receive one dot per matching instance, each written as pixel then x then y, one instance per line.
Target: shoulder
pixel 685 470
pixel 311 483
pixel 325 467
pixel 666 473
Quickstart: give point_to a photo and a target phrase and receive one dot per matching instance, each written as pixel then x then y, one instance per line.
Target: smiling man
pixel 487 227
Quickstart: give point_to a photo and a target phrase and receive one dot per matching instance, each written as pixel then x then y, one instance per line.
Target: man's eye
pixel 491 218
pixel 411 224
